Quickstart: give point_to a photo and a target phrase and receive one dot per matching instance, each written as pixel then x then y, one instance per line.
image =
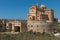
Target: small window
pixel 31 25
pixel 7 27
pixel 37 25
pixel 33 17
pixel 43 8
pixel 30 17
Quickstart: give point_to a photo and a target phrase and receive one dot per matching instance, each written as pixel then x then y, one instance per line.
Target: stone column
pixel 12 28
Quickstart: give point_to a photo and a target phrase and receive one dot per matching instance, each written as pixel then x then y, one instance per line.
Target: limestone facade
pixel 16 26
pixel 39 26
pixel 40 19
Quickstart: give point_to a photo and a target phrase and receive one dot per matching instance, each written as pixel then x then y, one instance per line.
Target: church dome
pixel 42 5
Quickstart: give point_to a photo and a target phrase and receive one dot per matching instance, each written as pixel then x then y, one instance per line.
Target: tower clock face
pixel 32 10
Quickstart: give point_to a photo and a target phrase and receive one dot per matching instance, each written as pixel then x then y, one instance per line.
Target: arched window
pixel 33 17
pixel 30 18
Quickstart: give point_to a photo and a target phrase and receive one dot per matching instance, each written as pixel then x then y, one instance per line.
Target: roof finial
pixel 37 4
pixel 42 3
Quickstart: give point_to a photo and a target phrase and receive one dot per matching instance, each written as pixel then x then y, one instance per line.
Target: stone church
pixel 39 19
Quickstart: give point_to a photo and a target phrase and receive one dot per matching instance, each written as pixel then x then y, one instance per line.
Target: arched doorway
pixel 17 28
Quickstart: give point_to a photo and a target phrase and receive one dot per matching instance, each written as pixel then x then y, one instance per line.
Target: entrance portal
pixel 17 28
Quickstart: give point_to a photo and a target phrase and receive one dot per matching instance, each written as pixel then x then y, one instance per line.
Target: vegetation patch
pixel 28 36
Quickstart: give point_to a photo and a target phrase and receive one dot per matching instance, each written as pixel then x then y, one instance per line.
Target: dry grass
pixel 27 36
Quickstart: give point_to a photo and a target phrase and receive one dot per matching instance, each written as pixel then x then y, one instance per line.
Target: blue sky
pixel 18 9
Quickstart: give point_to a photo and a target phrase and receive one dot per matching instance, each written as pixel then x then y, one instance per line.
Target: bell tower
pixel 32 13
